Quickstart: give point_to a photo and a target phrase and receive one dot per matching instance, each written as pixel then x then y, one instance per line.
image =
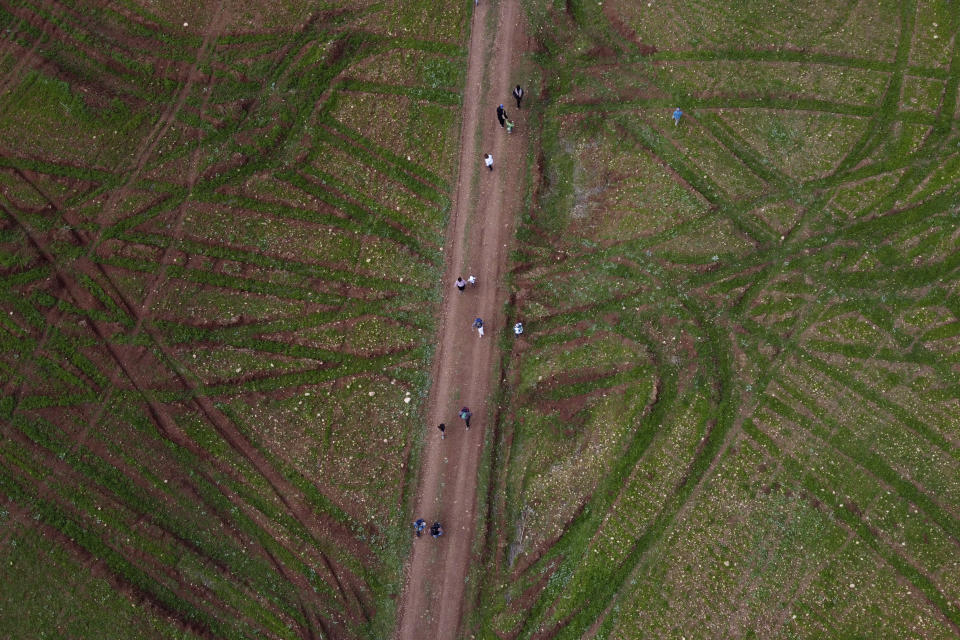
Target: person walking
pixel 465 415
pixel 518 329
pixel 472 280
pixel 443 430
pixel 509 126
pixel 501 114
pixel 419 526
pixel 518 95
pixel 676 116
pixel 488 160
pixel 478 325
pixel 436 530
pixel 461 283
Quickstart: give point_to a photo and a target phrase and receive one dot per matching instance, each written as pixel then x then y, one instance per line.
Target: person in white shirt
pixel 488 160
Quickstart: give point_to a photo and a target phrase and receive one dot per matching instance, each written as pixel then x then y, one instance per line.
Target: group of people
pixel 505 122
pixel 465 414
pixel 420 524
pixel 436 530
pixel 478 322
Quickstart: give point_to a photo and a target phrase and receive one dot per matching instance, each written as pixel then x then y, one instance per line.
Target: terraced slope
pixel 220 237
pixel 734 411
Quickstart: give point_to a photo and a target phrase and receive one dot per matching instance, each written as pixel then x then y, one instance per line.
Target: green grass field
pixel 734 411
pixel 220 244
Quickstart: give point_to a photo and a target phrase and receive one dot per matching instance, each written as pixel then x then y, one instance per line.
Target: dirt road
pixel 478 241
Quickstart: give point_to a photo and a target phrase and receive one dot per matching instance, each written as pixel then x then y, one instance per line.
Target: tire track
pixel 293 502
pixel 478 235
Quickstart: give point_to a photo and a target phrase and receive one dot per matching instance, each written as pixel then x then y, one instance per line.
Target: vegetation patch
pixel 778 271
pixel 219 242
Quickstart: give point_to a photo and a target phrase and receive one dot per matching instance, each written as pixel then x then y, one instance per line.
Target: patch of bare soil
pixel 478 239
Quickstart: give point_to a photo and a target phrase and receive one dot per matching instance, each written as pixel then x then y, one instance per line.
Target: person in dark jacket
pixel 518 95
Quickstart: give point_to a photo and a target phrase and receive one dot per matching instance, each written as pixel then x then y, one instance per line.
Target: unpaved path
pixel 478 241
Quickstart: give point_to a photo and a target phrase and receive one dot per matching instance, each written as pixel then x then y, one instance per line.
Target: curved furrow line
pixel 883 117
pixel 605 586
pixel 75 468
pixel 291 498
pixel 853 522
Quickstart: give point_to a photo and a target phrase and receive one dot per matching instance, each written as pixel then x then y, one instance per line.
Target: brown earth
pixel 479 235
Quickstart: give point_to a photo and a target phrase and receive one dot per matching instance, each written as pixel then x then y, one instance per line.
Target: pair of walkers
pixel 461 284
pixel 465 415
pixel 502 113
pixel 478 325
pixel 436 529
pixel 502 116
